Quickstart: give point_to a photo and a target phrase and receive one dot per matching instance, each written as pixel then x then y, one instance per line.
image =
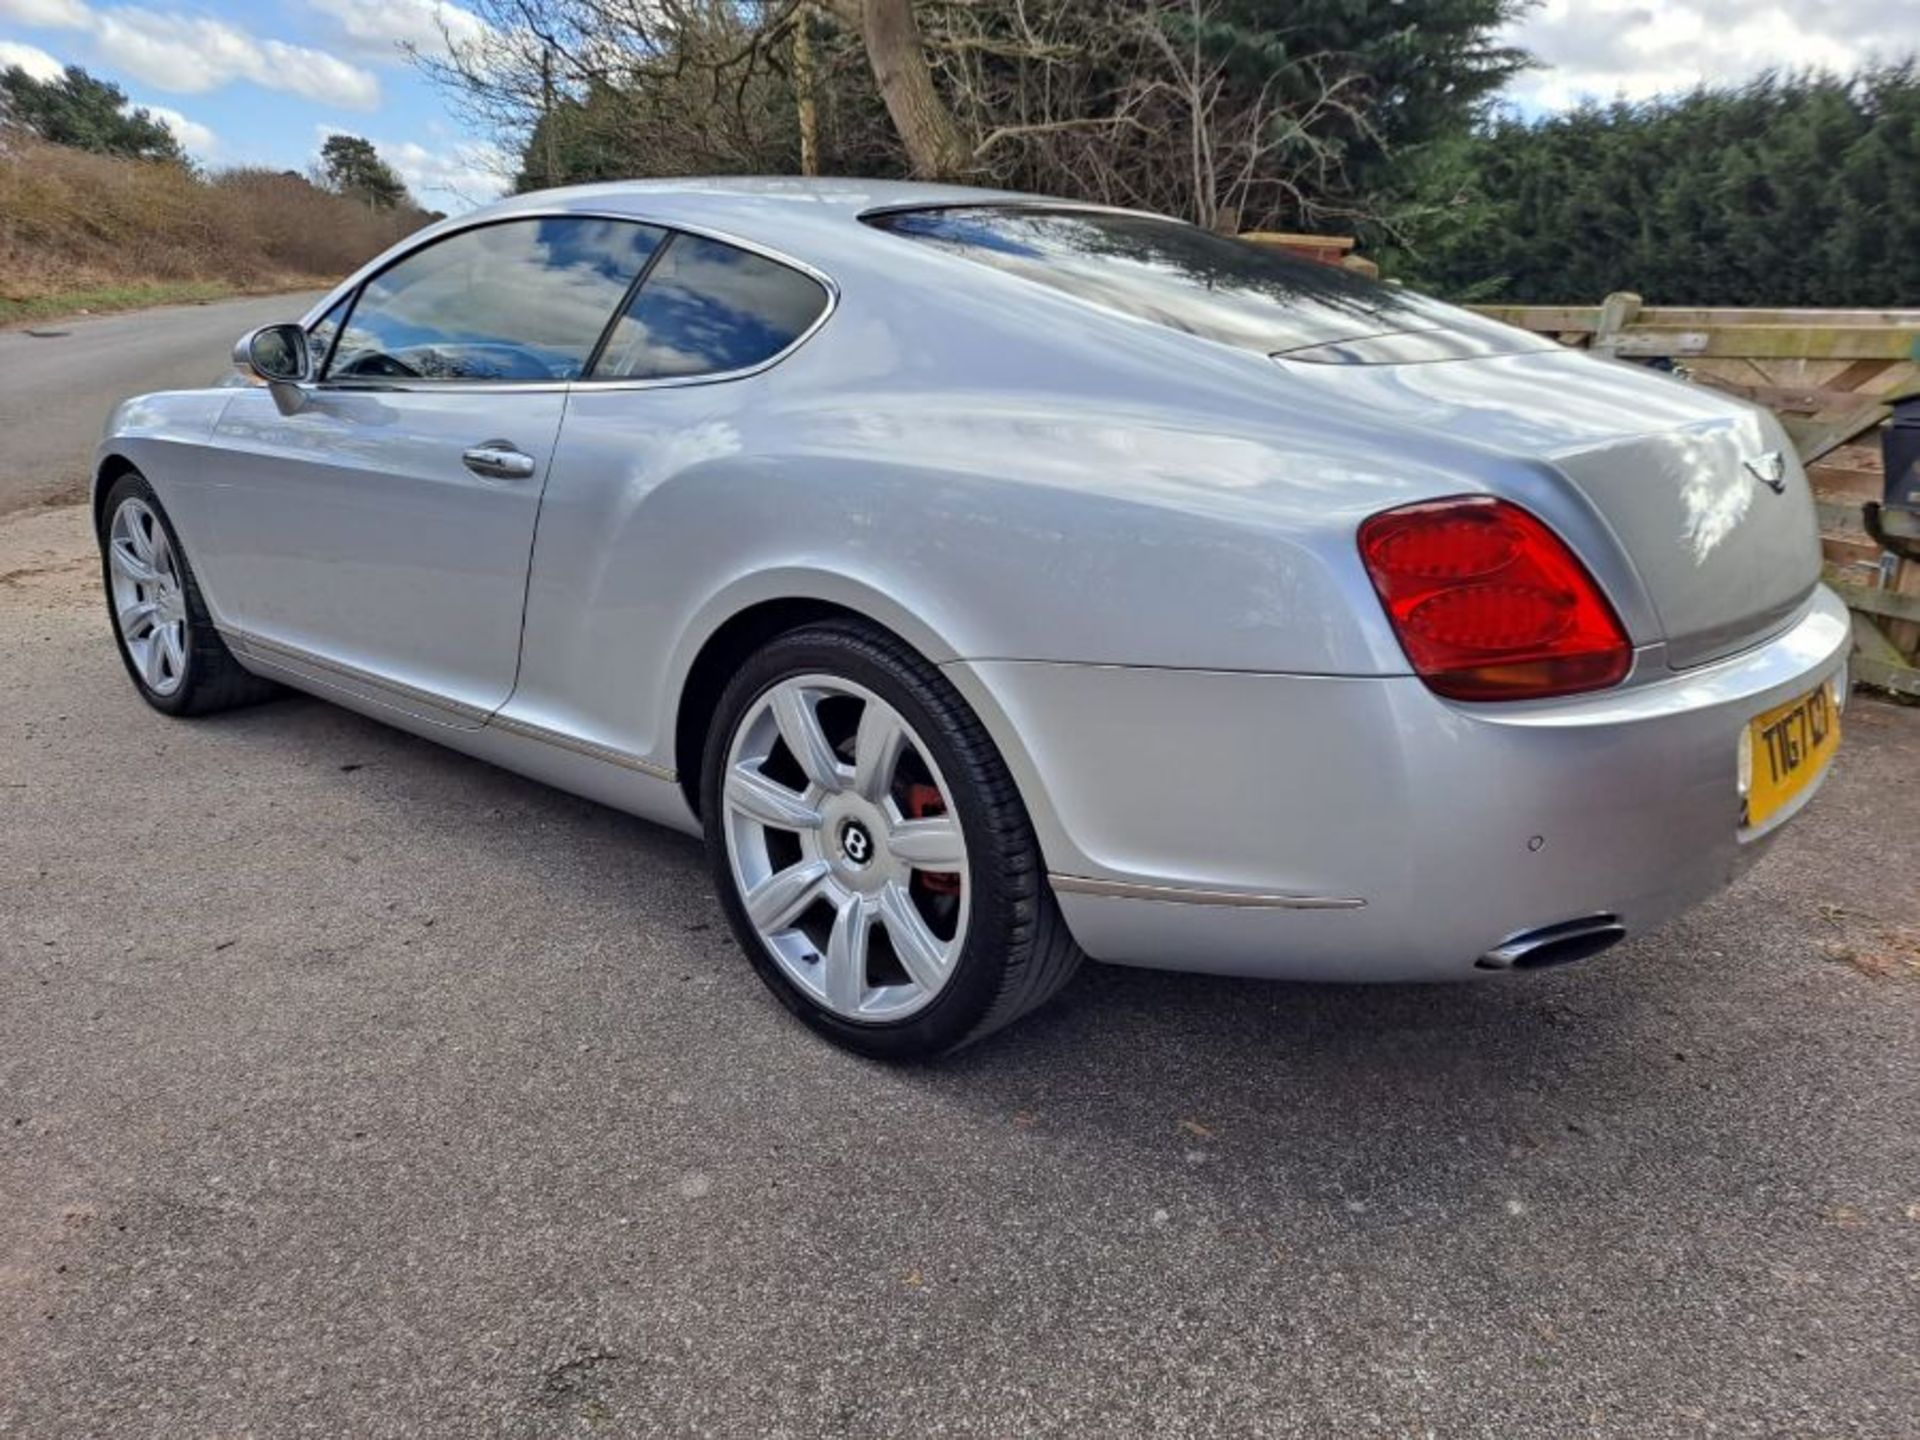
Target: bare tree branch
pixel 1126 101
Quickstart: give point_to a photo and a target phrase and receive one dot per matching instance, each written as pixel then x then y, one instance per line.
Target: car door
pixel 674 394
pixel 379 536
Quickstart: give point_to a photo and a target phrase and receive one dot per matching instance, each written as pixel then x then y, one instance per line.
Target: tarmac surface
pixel 60 379
pixel 351 1087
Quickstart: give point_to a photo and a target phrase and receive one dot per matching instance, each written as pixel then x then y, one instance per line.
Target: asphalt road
pixel 60 379
pixel 349 1087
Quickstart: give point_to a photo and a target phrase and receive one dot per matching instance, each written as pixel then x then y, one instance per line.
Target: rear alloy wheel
pixel 167 638
pixel 848 857
pixel 873 856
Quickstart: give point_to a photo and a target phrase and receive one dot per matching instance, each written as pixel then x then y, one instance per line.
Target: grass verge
pixel 104 299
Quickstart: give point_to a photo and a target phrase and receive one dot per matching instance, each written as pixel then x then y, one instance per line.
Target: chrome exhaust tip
pixel 1560 944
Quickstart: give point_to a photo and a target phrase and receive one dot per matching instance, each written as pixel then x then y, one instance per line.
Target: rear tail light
pixel 1489 604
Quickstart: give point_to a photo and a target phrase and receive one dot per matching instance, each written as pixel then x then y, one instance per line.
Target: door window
pixel 706 308
pixel 522 300
pixel 320 337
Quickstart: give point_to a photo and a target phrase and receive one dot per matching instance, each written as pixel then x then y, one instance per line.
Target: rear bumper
pixel 1335 828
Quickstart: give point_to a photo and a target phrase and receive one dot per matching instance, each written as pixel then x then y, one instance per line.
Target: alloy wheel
pixel 846 848
pixel 148 598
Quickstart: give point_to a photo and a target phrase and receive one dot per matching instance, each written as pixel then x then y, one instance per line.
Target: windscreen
pixel 1224 289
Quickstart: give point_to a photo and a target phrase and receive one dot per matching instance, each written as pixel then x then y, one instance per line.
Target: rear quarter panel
pixel 1148 503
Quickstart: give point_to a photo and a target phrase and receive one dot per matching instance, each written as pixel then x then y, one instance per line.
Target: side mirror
pixel 277 355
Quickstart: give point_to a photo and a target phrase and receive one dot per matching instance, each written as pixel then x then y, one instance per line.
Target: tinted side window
pixel 521 300
pixel 707 308
pixel 320 337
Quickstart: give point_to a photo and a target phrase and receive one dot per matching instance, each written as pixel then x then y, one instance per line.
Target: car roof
pixel 812 220
pixel 712 199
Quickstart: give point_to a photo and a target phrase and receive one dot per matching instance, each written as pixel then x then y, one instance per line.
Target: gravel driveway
pixel 350 1087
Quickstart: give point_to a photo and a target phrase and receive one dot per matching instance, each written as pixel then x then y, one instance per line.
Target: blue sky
pixel 261 82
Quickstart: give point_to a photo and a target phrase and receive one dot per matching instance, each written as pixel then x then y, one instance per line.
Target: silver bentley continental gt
pixel 995 581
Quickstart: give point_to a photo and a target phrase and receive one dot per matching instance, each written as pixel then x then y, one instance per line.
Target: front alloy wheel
pixel 149 601
pixel 167 638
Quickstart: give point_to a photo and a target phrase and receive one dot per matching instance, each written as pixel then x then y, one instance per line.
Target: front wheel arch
pixel 107 474
pixel 208 677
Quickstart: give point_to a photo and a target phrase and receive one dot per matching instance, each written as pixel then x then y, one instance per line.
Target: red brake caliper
pixel 922 801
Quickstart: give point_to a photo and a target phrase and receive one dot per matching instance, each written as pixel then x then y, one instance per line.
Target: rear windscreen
pixel 1190 279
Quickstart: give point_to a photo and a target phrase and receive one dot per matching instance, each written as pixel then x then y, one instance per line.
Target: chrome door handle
pixel 498 459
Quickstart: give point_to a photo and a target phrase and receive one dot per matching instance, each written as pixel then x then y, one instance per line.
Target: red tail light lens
pixel 1489 604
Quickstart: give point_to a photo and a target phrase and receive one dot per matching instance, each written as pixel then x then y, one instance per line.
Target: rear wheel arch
pixel 753 625
pixel 1007 952
pixel 720 655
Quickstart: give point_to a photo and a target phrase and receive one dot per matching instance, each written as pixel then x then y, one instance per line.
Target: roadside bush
pixel 73 221
pixel 302 228
pixel 1794 189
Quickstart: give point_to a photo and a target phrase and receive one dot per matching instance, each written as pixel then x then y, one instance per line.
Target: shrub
pixel 71 220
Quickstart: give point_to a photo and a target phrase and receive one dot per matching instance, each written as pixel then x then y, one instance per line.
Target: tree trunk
pixel 809 116
pixel 552 177
pixel 934 143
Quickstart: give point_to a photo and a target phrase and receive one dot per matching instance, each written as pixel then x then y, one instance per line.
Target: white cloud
pixel 380 28
pixel 192 54
pixel 461 176
pixel 190 133
pixel 457 178
pixel 1603 49
pixel 30 58
pixel 65 14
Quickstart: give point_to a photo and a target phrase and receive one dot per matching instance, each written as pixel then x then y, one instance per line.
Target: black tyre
pixel 871 851
pixel 167 640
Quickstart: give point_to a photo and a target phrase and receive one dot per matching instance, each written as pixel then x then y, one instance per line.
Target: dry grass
pixel 77 228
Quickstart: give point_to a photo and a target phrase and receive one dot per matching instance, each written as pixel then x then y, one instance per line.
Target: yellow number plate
pixel 1790 745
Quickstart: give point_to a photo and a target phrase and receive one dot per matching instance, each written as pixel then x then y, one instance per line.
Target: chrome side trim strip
pixel 561 740
pixel 273 652
pixel 1188 895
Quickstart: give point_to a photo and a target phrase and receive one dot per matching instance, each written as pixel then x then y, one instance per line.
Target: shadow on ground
pixel 354 1087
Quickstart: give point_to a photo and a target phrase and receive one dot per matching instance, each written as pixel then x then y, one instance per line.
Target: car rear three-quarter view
pixel 995 582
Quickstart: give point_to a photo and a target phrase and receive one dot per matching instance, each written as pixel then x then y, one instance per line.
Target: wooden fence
pixel 1828 375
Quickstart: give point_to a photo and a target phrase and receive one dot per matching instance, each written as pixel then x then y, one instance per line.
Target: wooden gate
pixel 1828 375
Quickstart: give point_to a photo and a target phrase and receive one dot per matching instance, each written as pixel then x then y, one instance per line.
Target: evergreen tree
pixel 1413 74
pixel 582 139
pixel 351 166
pixel 89 114
pixel 1790 190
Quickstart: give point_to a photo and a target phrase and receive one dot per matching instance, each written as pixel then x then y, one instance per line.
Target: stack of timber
pixel 1830 376
pixel 1335 250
